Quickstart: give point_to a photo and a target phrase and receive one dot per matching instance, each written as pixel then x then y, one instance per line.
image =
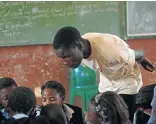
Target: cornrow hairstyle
pixel 111 108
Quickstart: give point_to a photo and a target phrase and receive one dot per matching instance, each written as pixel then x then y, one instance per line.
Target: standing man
pixel 107 54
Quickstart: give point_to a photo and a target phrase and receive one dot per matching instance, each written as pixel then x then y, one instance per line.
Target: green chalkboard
pixel 27 23
pixel 141 19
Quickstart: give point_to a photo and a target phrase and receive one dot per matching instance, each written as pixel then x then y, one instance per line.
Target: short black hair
pixel 6 82
pixel 66 36
pixel 55 113
pixel 55 85
pixel 22 100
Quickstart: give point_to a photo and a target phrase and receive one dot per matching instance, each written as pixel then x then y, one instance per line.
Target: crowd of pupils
pixel 19 106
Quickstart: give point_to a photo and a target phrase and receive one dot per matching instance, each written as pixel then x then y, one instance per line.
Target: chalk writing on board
pixel 39 13
pixel 10 34
pixel 17 25
pixel 25 21
pixel 45 16
pixel 70 10
pixel 19 3
pixel 11 29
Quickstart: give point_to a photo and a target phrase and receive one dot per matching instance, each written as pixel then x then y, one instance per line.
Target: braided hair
pixel 111 108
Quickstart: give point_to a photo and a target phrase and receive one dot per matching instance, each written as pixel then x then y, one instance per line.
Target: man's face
pixel 50 96
pixel 4 95
pixel 72 56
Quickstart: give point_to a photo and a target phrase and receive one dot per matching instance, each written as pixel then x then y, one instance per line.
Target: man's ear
pixel 79 45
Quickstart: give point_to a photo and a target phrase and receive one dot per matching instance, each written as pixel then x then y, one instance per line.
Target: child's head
pixel 110 108
pixel 114 107
pixel 40 120
pixel 52 92
pixel 54 113
pixel 7 85
pixel 22 100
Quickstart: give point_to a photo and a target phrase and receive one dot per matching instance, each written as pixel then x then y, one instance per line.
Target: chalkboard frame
pixel 135 36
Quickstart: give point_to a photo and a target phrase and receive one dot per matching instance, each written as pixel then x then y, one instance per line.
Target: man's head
pixel 68 46
pixel 7 85
pixel 52 92
pixel 22 100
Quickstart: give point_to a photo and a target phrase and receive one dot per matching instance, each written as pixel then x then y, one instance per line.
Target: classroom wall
pixel 149 47
pixel 32 66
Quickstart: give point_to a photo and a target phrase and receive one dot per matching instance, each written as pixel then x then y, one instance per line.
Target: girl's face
pixel 50 96
pixel 92 116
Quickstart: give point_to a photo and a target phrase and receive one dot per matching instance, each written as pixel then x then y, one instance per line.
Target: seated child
pixel 53 92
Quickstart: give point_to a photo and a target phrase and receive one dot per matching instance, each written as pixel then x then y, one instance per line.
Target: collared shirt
pixel 19 116
pixel 5 114
pixel 115 60
pixel 68 111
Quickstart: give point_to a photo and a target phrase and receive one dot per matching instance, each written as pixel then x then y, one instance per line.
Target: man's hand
pixel 147 65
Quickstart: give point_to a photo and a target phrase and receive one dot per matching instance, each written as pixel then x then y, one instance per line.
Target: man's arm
pixel 139 56
pixel 144 62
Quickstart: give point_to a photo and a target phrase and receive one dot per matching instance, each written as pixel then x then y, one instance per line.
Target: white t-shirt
pixel 115 61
